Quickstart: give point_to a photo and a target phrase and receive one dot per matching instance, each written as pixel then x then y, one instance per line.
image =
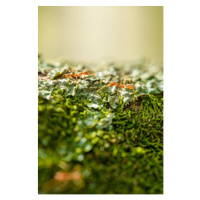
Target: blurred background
pixel 98 33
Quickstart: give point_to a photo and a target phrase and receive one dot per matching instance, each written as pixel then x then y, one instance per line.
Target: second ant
pixel 128 86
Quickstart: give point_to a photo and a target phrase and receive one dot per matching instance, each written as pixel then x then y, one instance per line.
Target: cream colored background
pixel 98 33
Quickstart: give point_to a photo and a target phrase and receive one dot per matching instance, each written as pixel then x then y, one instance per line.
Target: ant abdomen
pixel 68 75
pixel 129 86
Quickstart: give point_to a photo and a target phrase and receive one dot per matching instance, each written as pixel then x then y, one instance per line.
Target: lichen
pixel 100 143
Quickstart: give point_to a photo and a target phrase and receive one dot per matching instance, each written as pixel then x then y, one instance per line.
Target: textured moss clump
pixel 98 143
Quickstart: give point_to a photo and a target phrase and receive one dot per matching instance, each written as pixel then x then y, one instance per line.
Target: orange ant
pixel 128 86
pixel 76 75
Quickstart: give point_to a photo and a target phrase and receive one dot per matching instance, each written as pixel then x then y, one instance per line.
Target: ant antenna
pixel 103 87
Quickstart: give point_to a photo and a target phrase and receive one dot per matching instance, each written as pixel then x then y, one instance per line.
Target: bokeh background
pixel 99 33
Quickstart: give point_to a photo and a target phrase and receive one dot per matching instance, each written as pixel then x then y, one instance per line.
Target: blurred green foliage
pixel 91 143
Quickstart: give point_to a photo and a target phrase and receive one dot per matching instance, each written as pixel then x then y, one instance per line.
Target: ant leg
pixel 129 80
pixel 120 93
pixel 122 85
pixel 119 87
pixel 125 80
pixel 117 91
pixel 75 75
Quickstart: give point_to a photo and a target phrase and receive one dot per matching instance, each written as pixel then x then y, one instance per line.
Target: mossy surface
pixel 100 143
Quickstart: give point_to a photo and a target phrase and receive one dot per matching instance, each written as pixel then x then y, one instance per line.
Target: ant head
pixel 112 83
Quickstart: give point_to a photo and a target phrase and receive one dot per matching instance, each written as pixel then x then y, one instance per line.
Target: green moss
pixel 98 143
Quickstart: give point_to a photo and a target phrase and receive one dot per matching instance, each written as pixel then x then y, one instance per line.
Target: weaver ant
pixel 128 86
pixel 73 74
